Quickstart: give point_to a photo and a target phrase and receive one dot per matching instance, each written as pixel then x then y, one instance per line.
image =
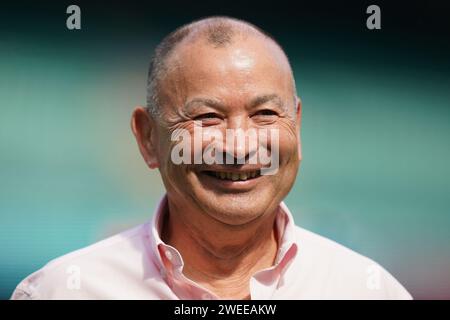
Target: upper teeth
pixel 236 175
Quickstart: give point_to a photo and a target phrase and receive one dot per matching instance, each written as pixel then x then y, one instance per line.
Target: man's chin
pixel 234 209
pixel 233 202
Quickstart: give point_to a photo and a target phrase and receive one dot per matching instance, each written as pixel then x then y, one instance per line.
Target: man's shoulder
pixel 313 243
pixel 343 271
pixel 61 277
pixel 128 239
pixel 328 254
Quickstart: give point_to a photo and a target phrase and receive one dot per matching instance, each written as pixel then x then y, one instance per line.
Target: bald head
pixel 215 32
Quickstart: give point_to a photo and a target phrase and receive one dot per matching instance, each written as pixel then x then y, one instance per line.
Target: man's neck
pixel 218 256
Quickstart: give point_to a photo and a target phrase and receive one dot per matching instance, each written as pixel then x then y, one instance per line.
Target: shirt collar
pixel 168 258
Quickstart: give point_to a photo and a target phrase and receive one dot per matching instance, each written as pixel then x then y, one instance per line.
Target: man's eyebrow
pixel 268 98
pixel 190 105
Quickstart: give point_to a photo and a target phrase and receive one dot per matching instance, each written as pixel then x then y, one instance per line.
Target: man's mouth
pixel 234 176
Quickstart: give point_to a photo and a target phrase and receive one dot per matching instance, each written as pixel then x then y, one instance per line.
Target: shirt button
pixel 168 255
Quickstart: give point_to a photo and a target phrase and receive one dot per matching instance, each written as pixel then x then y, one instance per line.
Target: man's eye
pixel 266 112
pixel 207 116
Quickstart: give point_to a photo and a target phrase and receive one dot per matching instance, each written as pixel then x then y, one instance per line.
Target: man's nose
pixel 240 141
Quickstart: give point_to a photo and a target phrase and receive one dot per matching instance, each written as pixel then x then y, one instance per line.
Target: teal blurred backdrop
pixel 376 127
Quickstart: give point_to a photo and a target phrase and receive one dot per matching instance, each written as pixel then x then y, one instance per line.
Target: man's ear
pixel 299 126
pixel 144 130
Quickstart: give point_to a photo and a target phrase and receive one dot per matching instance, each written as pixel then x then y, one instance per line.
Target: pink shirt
pixel 137 264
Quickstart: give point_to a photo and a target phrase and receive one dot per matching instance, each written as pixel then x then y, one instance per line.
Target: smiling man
pixel 222 230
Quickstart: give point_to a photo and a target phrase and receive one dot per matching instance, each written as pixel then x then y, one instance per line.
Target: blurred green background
pixel 376 128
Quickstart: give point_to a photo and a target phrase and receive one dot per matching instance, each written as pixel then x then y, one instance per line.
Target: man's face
pixel 245 85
